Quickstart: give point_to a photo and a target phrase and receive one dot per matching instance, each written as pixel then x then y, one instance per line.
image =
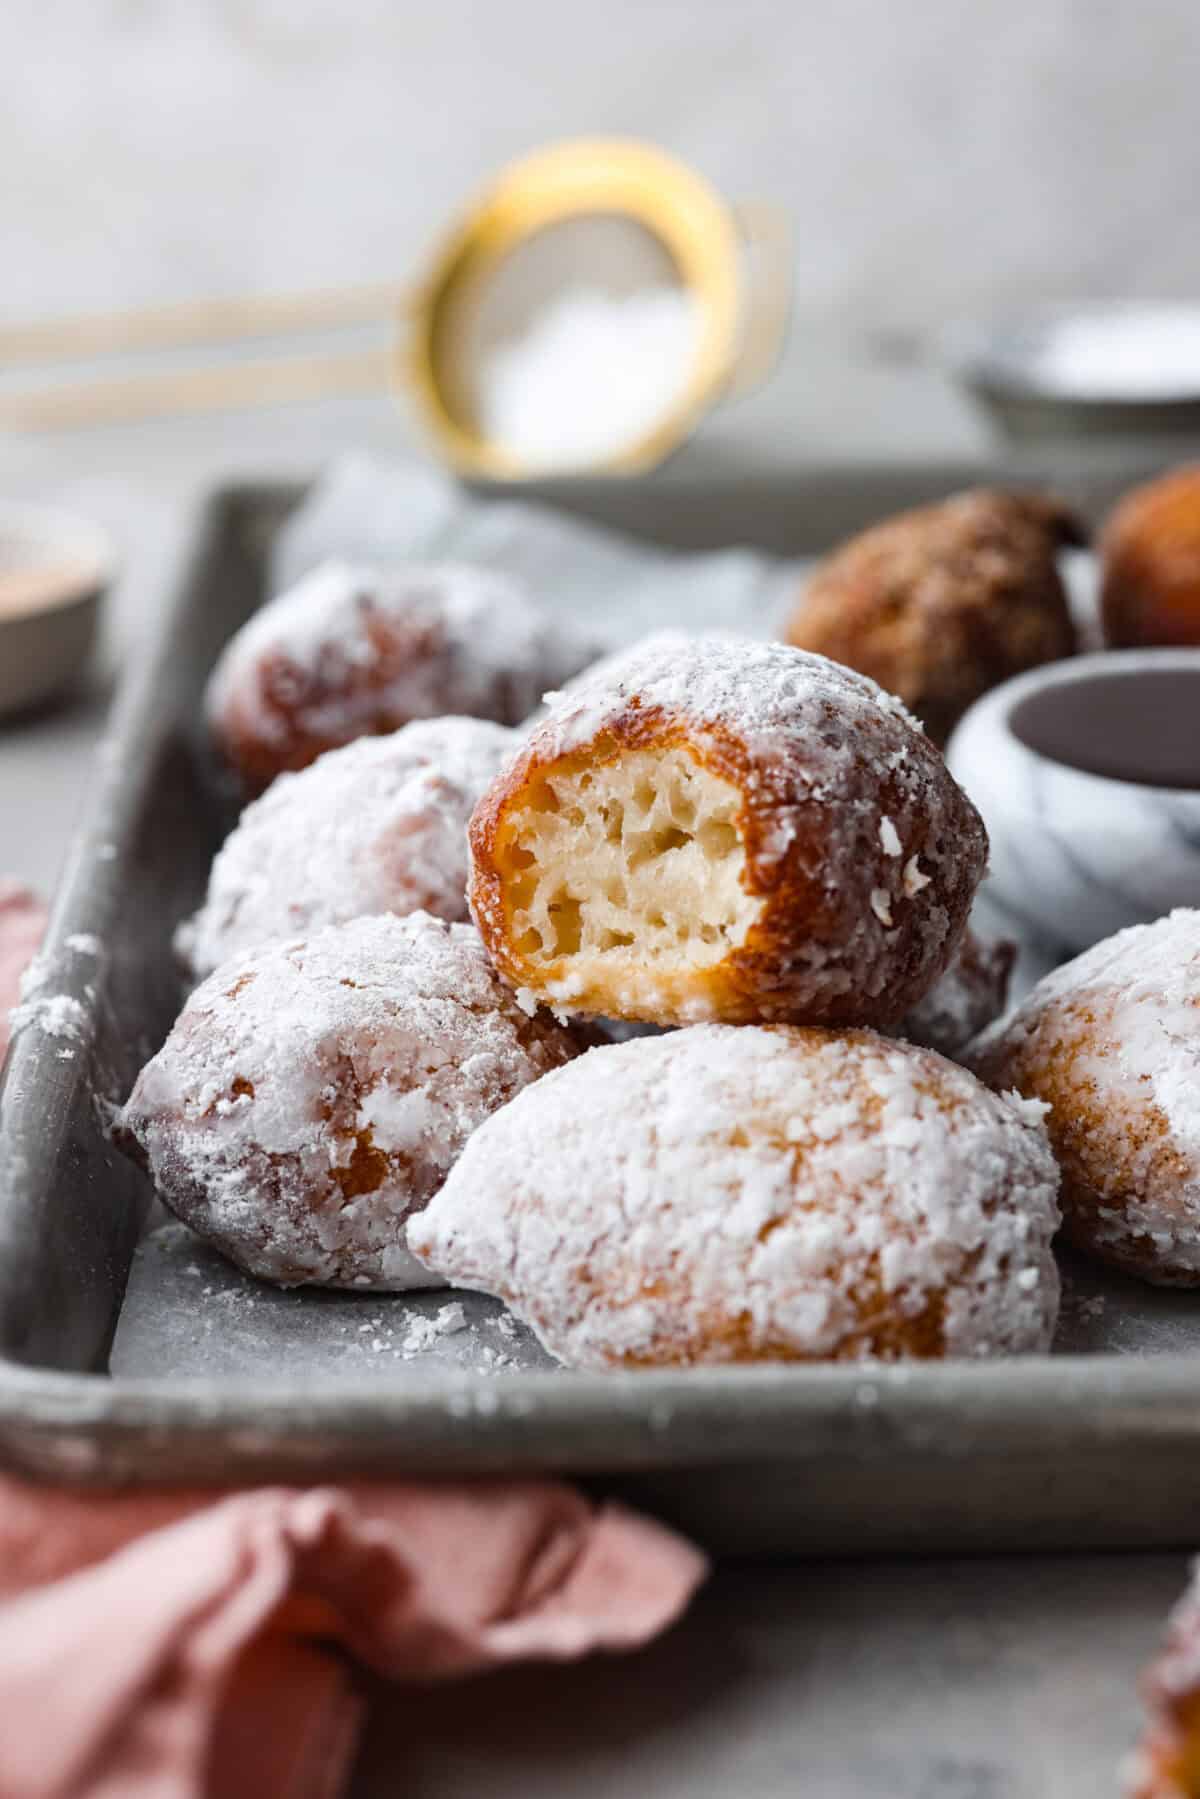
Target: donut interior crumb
pixel 631 868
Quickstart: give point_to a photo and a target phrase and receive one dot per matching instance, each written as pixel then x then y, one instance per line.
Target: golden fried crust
pixel 817 952
pixel 284 715
pixel 1110 1044
pixel 1150 592
pixel 940 604
pixel 355 652
pixel 1167 1762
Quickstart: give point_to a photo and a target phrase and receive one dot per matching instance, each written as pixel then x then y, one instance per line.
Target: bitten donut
pixel 971 994
pixel 940 604
pixel 717 829
pixel 1150 584
pixel 1111 1042
pixel 314 1094
pixel 354 652
pixel 379 826
pixel 757 1195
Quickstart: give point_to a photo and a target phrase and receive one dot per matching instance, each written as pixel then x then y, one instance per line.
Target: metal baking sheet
pixel 130 1353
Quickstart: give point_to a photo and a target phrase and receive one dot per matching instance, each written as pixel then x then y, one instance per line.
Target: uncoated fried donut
pixel 942 603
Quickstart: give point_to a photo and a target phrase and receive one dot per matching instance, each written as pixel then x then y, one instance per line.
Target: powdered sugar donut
pixel 757 1194
pixel 1111 1041
pixel 970 995
pixel 379 826
pixel 353 652
pixel 715 828
pixel 313 1094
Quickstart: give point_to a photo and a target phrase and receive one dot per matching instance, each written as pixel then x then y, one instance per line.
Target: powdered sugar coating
pixel 969 996
pixel 1111 1041
pixel 864 850
pixel 720 681
pixel 353 651
pixel 726 1194
pixel 313 1094
pixel 378 826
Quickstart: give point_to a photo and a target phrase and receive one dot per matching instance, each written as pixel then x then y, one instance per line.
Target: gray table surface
pixel 986 1679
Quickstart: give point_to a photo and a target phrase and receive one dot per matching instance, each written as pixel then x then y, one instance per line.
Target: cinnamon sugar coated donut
pixel 355 651
pixel 379 826
pixel 969 996
pixel 942 603
pixel 313 1094
pixel 720 829
pixel 1150 585
pixel 743 1195
pixel 1111 1042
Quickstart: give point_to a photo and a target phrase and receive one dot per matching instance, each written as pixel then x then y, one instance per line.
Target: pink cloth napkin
pixel 175 1645
pixel 22 922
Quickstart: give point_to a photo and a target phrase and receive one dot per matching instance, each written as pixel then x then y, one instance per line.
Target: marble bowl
pixel 54 569
pixel 1087 774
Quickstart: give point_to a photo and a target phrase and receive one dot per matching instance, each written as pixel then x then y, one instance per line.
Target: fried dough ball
pixel 1167 1762
pixel 314 1094
pixel 354 652
pixel 1111 1042
pixel 379 826
pixel 1150 549
pixel 750 1194
pixel 940 604
pixel 970 995
pixel 717 829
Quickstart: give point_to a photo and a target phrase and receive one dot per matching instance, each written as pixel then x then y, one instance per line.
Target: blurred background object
pixel 54 570
pixel 937 163
pixel 937 160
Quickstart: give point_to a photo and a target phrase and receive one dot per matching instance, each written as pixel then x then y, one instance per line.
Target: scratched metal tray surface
pixel 131 1354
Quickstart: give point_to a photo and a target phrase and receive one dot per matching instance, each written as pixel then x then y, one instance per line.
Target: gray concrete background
pixel 937 157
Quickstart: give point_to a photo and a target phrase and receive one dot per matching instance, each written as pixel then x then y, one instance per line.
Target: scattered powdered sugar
pixel 188 1312
pixel 1111 1040
pixel 660 1202
pixel 55 1014
pixel 390 817
pixel 313 1093
pixel 889 837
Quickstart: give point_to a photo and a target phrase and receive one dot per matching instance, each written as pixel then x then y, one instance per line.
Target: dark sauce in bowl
pixel 1138 725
